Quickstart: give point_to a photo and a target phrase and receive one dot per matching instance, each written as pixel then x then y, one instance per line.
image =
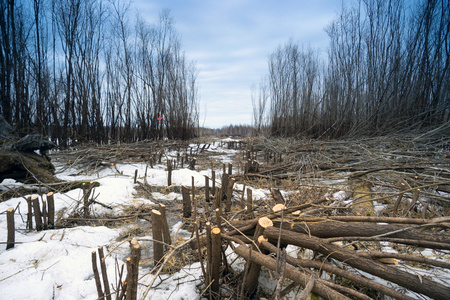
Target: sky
pixel 230 41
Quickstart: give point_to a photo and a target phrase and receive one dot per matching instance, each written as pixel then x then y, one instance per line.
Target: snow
pixel 340 196
pixel 56 264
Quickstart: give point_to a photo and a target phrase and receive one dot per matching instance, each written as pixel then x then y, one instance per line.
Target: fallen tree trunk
pixel 290 272
pixel 319 265
pixel 249 225
pixel 329 229
pixel 412 282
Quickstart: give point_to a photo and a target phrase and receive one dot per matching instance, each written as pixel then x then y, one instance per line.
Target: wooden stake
pixel 51 210
pixel 194 199
pixel 44 213
pixel 199 248
pixel 229 193
pixel 223 190
pixel 187 209
pixel 213 179
pixel 218 218
pixel 158 249
pixel 249 202
pixel 104 273
pixel 133 270
pixel 216 262
pixel 11 228
pixel 97 275
pixel 209 256
pixel 230 168
pixel 86 194
pixel 30 213
pixel 135 175
pixel 165 226
pixel 169 172
pixel 217 195
pixel 206 188
pixel 37 213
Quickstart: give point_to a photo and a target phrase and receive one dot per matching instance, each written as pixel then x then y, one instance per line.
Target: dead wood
pixel 321 265
pixel 406 257
pixel 330 229
pixel 290 272
pixel 248 225
pixel 421 285
pixel 412 242
pixel 390 220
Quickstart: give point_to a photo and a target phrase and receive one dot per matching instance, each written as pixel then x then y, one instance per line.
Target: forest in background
pixel 80 70
pixel 387 70
pixel 91 71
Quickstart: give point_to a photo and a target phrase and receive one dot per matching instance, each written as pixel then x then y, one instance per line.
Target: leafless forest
pixel 81 70
pixel 387 71
pixel 93 71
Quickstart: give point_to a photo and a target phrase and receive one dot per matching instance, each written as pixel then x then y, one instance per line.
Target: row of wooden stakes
pixel 44 218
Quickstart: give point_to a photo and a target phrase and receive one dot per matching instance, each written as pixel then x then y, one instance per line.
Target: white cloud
pixel 231 40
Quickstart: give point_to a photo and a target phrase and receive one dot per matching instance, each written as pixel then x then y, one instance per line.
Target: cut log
pixel 133 270
pixel 331 229
pixel 216 242
pixel 158 248
pixel 319 265
pixel 253 269
pixel 421 285
pixel 290 272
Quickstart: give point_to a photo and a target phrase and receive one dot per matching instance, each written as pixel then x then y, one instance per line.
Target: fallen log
pixel 303 263
pixel 390 220
pixel 406 257
pixel 290 272
pixel 330 229
pixel 412 282
pixel 248 225
pixel 417 243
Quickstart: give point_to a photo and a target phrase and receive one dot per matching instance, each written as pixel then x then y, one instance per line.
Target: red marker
pixel 159 118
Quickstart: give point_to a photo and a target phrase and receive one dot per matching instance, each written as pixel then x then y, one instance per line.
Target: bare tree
pixel 386 71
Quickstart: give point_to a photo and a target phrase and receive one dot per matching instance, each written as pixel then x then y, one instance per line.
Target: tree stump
pixel 11 229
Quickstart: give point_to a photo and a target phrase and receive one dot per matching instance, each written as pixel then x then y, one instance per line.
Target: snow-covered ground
pixel 56 264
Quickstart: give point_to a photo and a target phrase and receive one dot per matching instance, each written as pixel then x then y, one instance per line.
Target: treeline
pixel 89 70
pixel 228 131
pixel 387 70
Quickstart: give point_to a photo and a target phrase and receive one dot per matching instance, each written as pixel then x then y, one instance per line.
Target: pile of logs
pixel 325 235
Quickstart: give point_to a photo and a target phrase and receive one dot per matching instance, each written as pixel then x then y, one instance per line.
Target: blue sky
pixel 230 41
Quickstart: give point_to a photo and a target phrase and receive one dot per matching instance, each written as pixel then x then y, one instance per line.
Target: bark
pixel 97 276
pixel 10 227
pixel 319 265
pixel 104 273
pixel 158 248
pixel 331 229
pixel 290 272
pixel 407 280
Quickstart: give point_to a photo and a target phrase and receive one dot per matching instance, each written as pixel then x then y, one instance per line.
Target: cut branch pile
pixel 358 252
pixel 320 235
